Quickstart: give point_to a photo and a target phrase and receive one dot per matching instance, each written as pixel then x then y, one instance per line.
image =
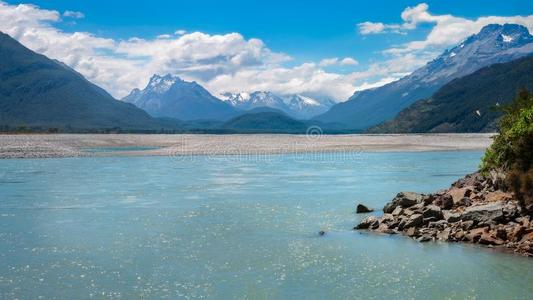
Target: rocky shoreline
pixel 473 210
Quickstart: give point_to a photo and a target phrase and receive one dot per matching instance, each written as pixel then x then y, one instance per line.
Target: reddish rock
pixel 517 233
pixel 487 238
pixel 497 196
pixel 527 237
pixel 444 235
pixel 412 231
pixel 474 234
pixel 459 193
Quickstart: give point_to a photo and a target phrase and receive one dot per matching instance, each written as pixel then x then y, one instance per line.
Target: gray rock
pixel 414 221
pixel 425 238
pixel 403 199
pixel 441 224
pixel 492 212
pixel 451 217
pixel 361 209
pixel 397 211
pixel 467 225
pixel 433 211
pixel 369 222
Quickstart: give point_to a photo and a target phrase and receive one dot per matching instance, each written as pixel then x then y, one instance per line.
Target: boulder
pixel 465 202
pixel 483 214
pixel 361 209
pixel 527 237
pixel 501 234
pixel 488 239
pixel 474 234
pixel 397 211
pixel 444 202
pixel 474 179
pixel 444 235
pixel 459 193
pixel 403 199
pixel 411 232
pixel 369 222
pixel 433 211
pixel 498 196
pixel 517 233
pixel 451 217
pixel 440 225
pixel 467 225
pixel 425 238
pixel 414 221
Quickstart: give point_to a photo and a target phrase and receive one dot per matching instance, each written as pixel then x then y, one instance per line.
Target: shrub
pixel 512 149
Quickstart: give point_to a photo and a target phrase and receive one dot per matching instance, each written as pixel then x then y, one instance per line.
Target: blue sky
pixel 306 32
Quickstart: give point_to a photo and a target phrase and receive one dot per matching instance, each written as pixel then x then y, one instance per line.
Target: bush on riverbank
pixel 512 150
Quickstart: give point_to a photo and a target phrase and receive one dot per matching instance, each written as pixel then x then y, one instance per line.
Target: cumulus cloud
pixel 73 14
pixel 448 30
pixel 347 61
pixel 226 62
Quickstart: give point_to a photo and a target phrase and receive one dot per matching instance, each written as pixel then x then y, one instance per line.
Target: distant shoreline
pixel 82 145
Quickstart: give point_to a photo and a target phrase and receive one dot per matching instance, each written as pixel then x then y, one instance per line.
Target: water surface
pixel 234 227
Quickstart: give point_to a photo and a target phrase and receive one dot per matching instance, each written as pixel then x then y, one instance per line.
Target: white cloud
pixel 448 29
pixel 348 61
pixel 329 62
pixel 371 28
pixel 73 14
pixel 227 62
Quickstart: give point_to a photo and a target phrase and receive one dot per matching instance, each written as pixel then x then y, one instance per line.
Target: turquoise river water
pixel 234 227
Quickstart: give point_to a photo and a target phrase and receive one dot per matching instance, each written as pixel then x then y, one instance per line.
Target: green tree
pixel 512 149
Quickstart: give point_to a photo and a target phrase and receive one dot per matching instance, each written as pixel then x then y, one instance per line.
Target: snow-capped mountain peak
pixel 161 84
pixel 297 106
pixel 493 44
pixel 170 96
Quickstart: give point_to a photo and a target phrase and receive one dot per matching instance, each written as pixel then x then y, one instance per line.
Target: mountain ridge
pixel 170 96
pixel 493 44
pixel 466 104
pixel 38 91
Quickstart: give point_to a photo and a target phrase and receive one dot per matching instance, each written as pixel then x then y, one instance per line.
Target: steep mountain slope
pixel 169 96
pixel 38 91
pixel 296 106
pixel 493 44
pixel 302 107
pixel 465 104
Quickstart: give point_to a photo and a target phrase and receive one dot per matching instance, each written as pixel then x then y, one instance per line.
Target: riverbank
pixel 473 210
pixel 74 145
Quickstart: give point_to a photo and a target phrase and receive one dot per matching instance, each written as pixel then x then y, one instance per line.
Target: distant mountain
pixel 270 122
pixel 296 106
pixel 169 96
pixel 38 91
pixel 465 104
pixel 493 44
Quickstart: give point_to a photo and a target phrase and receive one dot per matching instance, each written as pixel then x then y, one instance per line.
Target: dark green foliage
pixel 465 104
pixel 39 92
pixel 512 149
pixel 265 122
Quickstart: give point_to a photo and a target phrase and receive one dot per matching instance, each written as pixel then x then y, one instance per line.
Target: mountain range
pixel 171 97
pixel 453 93
pixel 296 106
pixel 493 44
pixel 37 91
pixel 467 104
